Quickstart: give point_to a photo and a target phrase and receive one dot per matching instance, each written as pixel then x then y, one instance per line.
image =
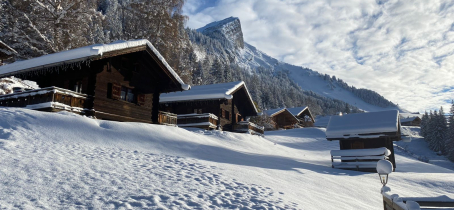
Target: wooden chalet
pixel 222 106
pixel 365 131
pixel 6 52
pixel 410 121
pixel 121 81
pixel 282 118
pixel 304 116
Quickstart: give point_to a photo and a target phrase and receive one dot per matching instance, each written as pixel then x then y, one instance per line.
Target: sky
pixel 404 50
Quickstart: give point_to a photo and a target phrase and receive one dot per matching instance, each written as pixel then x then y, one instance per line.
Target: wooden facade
pixel 304 116
pixel 124 84
pixel 370 143
pixel 355 137
pixel 233 107
pixel 52 99
pixel 228 111
pixel 282 119
pixel 413 121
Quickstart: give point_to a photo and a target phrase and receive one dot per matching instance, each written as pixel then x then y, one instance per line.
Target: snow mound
pixel 8 83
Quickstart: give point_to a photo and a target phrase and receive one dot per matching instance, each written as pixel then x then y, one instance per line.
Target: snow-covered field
pixel 66 161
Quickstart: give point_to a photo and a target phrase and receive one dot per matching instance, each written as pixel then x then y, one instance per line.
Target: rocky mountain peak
pixel 229 29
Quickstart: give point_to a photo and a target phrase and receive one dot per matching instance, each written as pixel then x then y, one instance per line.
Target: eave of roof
pixel 205 93
pixel 83 54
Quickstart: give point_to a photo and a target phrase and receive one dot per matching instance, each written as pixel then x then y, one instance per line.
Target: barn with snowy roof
pixel 304 116
pixel 282 118
pixel 224 105
pixel 410 121
pixel 362 133
pixel 120 81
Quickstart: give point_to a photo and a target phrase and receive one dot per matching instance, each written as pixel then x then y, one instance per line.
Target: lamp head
pixel 384 167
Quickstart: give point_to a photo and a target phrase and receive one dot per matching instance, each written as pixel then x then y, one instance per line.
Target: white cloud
pixel 404 50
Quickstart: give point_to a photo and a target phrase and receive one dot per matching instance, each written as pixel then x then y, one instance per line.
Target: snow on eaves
pixel 273 112
pixel 297 110
pixel 82 54
pixel 203 92
pixel 352 125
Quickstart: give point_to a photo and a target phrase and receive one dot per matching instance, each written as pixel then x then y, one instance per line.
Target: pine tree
pixel 424 125
pixel 449 145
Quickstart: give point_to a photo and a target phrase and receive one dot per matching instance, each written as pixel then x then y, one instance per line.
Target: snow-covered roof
pixel 297 110
pixel 363 125
pixel 273 112
pixel 408 119
pixel 204 92
pixel 82 54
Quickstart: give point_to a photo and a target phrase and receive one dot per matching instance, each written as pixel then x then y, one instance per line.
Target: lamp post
pixel 384 167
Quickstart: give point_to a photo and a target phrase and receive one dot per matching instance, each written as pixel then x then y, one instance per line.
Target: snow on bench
pixel 359 158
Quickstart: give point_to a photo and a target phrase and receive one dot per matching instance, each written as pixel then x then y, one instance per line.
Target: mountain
pixel 224 41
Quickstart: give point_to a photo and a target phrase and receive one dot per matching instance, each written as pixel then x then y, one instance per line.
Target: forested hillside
pixel 207 56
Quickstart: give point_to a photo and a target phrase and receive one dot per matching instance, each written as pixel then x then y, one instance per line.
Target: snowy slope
pixel 307 79
pixel 250 58
pixel 66 161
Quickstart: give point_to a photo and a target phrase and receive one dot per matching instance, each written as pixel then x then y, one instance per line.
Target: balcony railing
pixel 204 120
pixel 167 118
pixel 49 99
pixel 248 127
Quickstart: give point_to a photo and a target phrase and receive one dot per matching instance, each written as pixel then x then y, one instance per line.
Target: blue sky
pixel 403 50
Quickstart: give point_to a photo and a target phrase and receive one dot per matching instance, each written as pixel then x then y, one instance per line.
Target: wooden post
pixel 232 120
pixel 155 108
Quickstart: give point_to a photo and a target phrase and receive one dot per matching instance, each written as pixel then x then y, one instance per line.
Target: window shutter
pixel 116 91
pixel 141 99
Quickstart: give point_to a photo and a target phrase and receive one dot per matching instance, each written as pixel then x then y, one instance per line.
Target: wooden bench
pixel 358 159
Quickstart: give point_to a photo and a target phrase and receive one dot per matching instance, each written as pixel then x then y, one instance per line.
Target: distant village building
pixel 365 131
pixel 410 121
pixel 6 52
pixel 218 106
pixel 120 81
pixel 282 118
pixel 304 116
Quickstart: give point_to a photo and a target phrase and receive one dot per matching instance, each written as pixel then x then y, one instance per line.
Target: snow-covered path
pixel 65 161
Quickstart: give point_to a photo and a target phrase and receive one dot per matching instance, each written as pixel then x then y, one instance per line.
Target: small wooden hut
pixel 5 52
pixel 120 81
pixel 304 116
pixel 410 121
pixel 220 106
pixel 366 131
pixel 282 118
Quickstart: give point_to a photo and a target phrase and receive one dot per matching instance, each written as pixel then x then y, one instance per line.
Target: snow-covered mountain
pixel 234 49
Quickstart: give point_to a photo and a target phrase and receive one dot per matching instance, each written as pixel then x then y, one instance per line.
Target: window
pixel 197 111
pixel 78 86
pixel 127 94
pixel 227 115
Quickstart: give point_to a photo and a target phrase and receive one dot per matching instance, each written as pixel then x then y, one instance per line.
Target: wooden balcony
pixel 51 99
pixel 248 127
pixel 204 120
pixel 167 118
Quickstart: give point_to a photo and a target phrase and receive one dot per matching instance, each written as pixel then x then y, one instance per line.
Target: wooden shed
pixel 120 81
pixel 410 121
pixel 5 52
pixel 366 131
pixel 220 106
pixel 282 118
pixel 304 116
